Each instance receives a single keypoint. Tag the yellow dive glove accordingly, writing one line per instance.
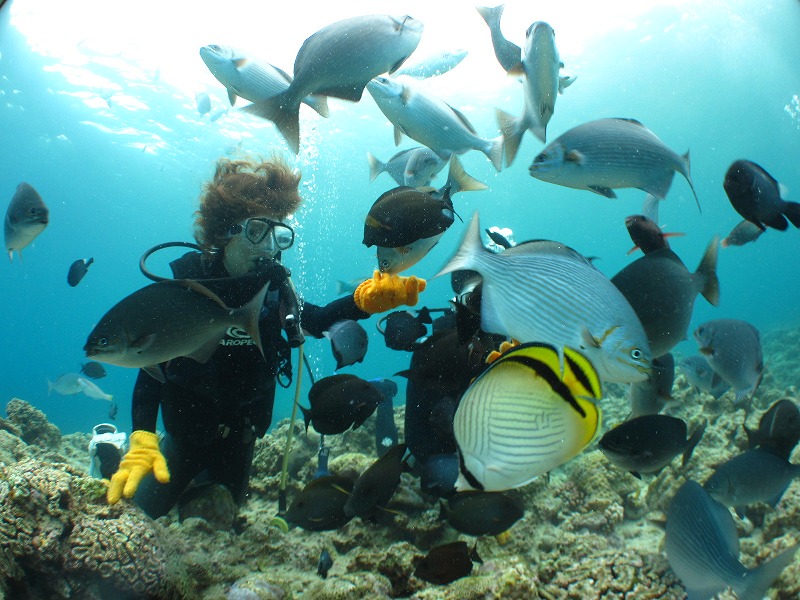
(143, 457)
(385, 292)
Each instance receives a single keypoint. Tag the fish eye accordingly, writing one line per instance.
(102, 342)
(384, 264)
(540, 158)
(636, 354)
(214, 47)
(33, 211)
(701, 330)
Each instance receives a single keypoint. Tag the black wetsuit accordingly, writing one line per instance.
(213, 412)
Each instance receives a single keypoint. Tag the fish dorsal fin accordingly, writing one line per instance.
(199, 288)
(283, 74)
(546, 247)
(629, 120)
(463, 120)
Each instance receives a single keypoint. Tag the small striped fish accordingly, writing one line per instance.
(523, 417)
(544, 291)
(609, 154)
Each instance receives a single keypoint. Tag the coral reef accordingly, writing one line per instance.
(589, 531)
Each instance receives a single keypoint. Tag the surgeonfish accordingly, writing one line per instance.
(26, 217)
(166, 320)
(662, 292)
(340, 402)
(319, 506)
(324, 564)
(648, 443)
(703, 549)
(701, 376)
(778, 429)
(78, 270)
(609, 154)
(733, 349)
(403, 328)
(541, 85)
(758, 197)
(651, 396)
(525, 416)
(446, 563)
(507, 53)
(92, 369)
(349, 342)
(757, 475)
(376, 486)
(339, 60)
(254, 80)
(414, 167)
(545, 291)
(430, 121)
(404, 215)
(433, 65)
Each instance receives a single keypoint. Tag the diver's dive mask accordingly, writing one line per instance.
(256, 229)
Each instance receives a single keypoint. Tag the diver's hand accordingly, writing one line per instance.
(384, 292)
(143, 457)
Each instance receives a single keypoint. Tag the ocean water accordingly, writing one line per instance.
(97, 112)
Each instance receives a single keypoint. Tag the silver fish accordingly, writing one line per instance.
(733, 349)
(507, 53)
(700, 375)
(26, 218)
(430, 121)
(609, 154)
(165, 320)
(703, 549)
(339, 60)
(662, 291)
(414, 167)
(349, 342)
(541, 84)
(744, 233)
(246, 77)
(756, 475)
(544, 291)
(92, 390)
(434, 65)
(203, 102)
(651, 396)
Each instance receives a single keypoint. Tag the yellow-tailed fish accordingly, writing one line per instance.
(525, 416)
(544, 291)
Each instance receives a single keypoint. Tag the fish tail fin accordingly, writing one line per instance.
(512, 134)
(693, 441)
(755, 582)
(540, 131)
(319, 104)
(49, 387)
(792, 212)
(491, 15)
(458, 180)
(376, 167)
(468, 252)
(306, 415)
(494, 151)
(247, 316)
(284, 113)
(687, 173)
(707, 272)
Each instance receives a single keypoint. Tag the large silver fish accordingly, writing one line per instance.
(733, 349)
(246, 77)
(414, 167)
(26, 218)
(544, 291)
(541, 84)
(339, 60)
(703, 549)
(507, 53)
(430, 121)
(662, 291)
(609, 154)
(165, 320)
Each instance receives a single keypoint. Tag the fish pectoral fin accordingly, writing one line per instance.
(143, 343)
(351, 92)
(398, 135)
(204, 352)
(240, 62)
(232, 96)
(603, 191)
(155, 372)
(575, 156)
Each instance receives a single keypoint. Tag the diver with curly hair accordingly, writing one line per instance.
(213, 412)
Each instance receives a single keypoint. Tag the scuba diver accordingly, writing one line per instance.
(213, 412)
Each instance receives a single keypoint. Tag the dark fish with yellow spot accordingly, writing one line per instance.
(26, 217)
(648, 443)
(78, 270)
(524, 416)
(402, 328)
(320, 505)
(446, 563)
(376, 486)
(340, 402)
(92, 369)
(404, 215)
(758, 197)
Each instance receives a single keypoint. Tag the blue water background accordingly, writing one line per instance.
(719, 78)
